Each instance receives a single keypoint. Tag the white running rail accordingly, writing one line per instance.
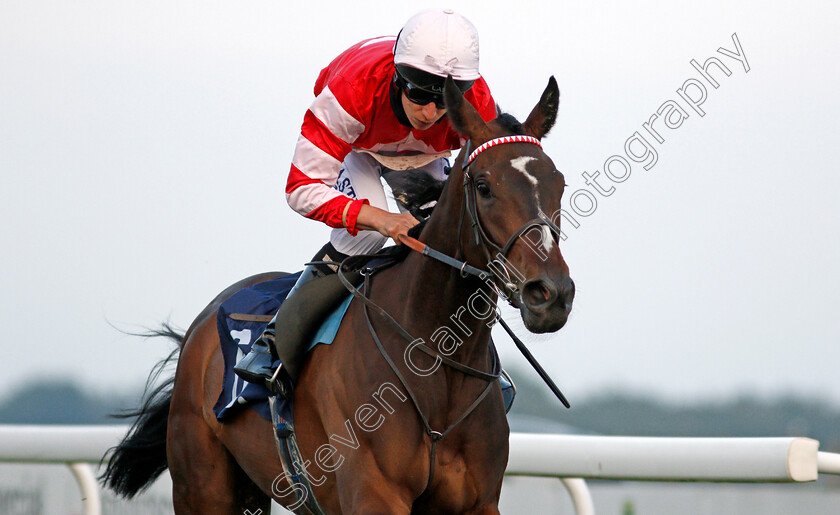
(568, 457)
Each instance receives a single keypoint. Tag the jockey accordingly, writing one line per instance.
(378, 110)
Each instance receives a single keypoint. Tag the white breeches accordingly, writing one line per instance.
(360, 178)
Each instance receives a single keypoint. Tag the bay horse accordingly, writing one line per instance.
(412, 437)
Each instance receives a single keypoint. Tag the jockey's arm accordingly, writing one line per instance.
(385, 223)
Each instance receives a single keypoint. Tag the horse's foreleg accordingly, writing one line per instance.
(376, 500)
(372, 493)
(492, 508)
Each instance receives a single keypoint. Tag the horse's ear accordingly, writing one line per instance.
(463, 116)
(542, 118)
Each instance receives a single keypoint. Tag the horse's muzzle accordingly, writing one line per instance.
(545, 304)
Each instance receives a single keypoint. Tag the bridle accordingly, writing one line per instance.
(470, 206)
(482, 240)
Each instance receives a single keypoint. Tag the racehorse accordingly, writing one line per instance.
(384, 428)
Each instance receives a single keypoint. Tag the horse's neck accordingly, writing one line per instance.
(444, 304)
(431, 300)
(436, 303)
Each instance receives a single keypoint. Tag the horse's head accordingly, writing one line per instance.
(512, 191)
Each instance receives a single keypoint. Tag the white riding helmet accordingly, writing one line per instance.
(440, 42)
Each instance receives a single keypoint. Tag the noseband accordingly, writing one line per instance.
(470, 206)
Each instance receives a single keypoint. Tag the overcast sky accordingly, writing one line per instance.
(144, 148)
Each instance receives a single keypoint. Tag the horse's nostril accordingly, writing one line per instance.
(538, 292)
(545, 293)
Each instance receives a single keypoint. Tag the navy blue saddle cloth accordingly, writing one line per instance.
(237, 336)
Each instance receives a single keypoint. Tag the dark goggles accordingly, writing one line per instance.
(420, 96)
(423, 88)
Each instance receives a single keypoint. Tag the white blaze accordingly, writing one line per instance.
(548, 239)
(519, 164)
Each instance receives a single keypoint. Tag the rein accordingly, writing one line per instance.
(482, 240)
(471, 207)
(434, 435)
(466, 269)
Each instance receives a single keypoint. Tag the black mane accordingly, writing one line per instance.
(416, 191)
(509, 122)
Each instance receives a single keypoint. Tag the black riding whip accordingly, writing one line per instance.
(534, 363)
(466, 269)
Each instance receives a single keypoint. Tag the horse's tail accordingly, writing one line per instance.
(140, 457)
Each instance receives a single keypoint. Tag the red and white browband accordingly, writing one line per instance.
(499, 141)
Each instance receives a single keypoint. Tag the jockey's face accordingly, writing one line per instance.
(421, 117)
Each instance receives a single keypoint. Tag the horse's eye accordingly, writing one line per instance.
(483, 189)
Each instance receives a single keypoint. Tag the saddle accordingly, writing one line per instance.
(315, 309)
(302, 314)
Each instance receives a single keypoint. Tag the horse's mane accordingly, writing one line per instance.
(415, 191)
(509, 122)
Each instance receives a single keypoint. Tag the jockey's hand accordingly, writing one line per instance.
(388, 224)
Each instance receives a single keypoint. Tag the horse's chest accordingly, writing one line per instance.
(467, 477)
